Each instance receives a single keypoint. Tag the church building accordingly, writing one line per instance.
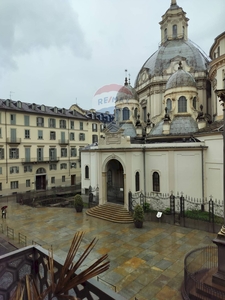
(167, 131)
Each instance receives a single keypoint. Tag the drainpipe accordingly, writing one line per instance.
(203, 178)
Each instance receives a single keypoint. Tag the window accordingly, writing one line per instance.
(40, 122)
(40, 134)
(135, 113)
(27, 134)
(218, 51)
(183, 31)
(0, 170)
(73, 152)
(137, 181)
(27, 168)
(194, 102)
(62, 123)
(14, 185)
(43, 107)
(165, 34)
(28, 183)
(94, 127)
(14, 170)
(27, 120)
(63, 152)
(155, 182)
(52, 154)
(63, 137)
(63, 178)
(52, 179)
(0, 132)
(73, 165)
(0, 186)
(174, 31)
(27, 154)
(52, 167)
(40, 154)
(81, 126)
(72, 136)
(86, 172)
(51, 123)
(63, 166)
(144, 111)
(52, 135)
(169, 104)
(13, 119)
(13, 153)
(126, 113)
(81, 137)
(2, 153)
(94, 138)
(101, 127)
(182, 104)
(71, 124)
(13, 134)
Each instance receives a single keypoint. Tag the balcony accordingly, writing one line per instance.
(11, 140)
(63, 142)
(33, 260)
(39, 160)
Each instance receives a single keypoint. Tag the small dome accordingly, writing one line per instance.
(127, 92)
(179, 79)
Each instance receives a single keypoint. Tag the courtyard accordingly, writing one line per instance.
(145, 263)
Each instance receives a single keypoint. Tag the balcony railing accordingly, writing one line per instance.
(63, 142)
(11, 140)
(36, 160)
(33, 260)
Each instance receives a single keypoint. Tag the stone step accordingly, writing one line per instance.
(111, 212)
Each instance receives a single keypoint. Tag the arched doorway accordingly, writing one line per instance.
(115, 181)
(41, 179)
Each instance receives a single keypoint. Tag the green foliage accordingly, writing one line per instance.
(138, 214)
(202, 215)
(78, 202)
(146, 207)
(167, 211)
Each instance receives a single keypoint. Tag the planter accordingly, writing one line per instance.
(79, 208)
(138, 224)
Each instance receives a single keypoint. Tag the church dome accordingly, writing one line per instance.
(179, 79)
(159, 61)
(127, 92)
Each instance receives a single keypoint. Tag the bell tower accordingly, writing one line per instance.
(174, 24)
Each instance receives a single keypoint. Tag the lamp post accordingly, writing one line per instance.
(219, 277)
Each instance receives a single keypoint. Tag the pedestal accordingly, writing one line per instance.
(219, 277)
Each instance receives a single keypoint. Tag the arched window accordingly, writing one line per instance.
(126, 114)
(137, 181)
(194, 102)
(155, 182)
(182, 104)
(174, 31)
(135, 112)
(169, 104)
(117, 114)
(183, 31)
(86, 172)
(165, 34)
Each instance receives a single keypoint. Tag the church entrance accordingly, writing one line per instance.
(115, 182)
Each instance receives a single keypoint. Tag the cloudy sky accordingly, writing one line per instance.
(60, 52)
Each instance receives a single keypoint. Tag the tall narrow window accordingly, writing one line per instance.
(165, 34)
(174, 31)
(144, 111)
(194, 102)
(155, 182)
(126, 114)
(27, 120)
(182, 104)
(137, 181)
(169, 104)
(86, 172)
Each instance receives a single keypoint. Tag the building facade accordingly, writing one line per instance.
(167, 134)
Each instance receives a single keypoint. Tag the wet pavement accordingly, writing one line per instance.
(145, 263)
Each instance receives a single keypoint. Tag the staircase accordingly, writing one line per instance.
(111, 212)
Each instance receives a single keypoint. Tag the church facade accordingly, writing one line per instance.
(167, 133)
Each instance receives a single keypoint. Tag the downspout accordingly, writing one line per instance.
(203, 178)
(6, 150)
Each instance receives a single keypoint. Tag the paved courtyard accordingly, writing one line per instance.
(145, 263)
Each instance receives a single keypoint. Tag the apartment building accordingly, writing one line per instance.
(39, 145)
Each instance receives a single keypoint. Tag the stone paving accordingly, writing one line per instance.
(145, 263)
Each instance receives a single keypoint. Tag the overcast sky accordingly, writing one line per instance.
(60, 52)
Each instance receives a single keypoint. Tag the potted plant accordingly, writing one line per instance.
(138, 216)
(78, 203)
